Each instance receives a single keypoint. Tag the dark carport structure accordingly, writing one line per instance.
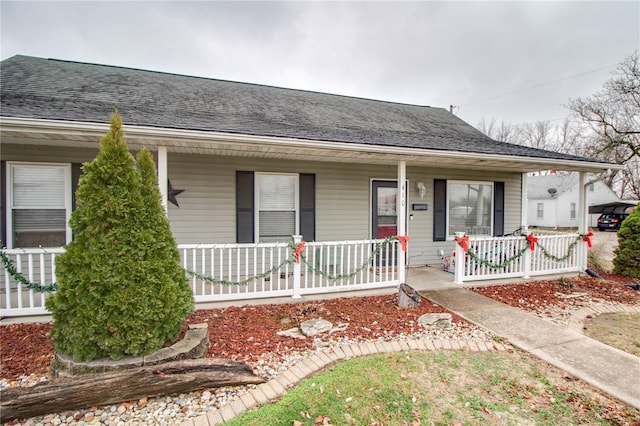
(616, 207)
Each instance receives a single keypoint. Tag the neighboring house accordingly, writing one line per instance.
(553, 200)
(258, 163)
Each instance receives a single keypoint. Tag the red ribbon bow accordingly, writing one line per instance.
(298, 251)
(404, 239)
(464, 242)
(587, 239)
(532, 242)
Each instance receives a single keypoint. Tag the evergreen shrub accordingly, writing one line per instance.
(121, 289)
(627, 256)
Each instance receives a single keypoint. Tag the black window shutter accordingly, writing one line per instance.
(439, 210)
(244, 207)
(498, 208)
(3, 203)
(308, 206)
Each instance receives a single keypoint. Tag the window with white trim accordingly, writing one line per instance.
(39, 205)
(572, 211)
(540, 211)
(277, 206)
(470, 207)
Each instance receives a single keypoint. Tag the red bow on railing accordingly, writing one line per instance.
(587, 239)
(298, 251)
(532, 242)
(464, 242)
(404, 239)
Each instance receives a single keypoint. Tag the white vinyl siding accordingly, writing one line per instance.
(39, 205)
(276, 206)
(343, 204)
(470, 207)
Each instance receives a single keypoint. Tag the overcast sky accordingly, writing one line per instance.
(467, 54)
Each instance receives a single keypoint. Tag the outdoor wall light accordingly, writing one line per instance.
(422, 190)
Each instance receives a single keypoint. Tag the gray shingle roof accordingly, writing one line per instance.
(72, 91)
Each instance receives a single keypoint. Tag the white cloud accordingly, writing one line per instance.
(428, 53)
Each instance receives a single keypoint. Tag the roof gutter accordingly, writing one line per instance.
(98, 129)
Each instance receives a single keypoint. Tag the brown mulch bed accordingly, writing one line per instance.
(535, 295)
(247, 332)
(242, 333)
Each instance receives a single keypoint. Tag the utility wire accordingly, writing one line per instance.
(535, 87)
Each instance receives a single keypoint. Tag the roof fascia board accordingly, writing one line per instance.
(98, 129)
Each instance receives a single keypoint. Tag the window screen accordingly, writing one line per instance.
(277, 211)
(39, 216)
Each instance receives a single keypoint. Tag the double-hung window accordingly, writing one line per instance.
(470, 207)
(39, 205)
(277, 206)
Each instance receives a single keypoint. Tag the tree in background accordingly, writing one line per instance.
(613, 114)
(606, 126)
(120, 291)
(627, 260)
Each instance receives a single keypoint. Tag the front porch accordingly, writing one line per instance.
(284, 272)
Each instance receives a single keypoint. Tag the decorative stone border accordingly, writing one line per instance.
(194, 345)
(278, 386)
(577, 319)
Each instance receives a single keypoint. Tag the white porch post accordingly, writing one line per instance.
(583, 222)
(401, 209)
(163, 178)
(297, 239)
(459, 259)
(524, 204)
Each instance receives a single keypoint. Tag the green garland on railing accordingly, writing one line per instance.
(490, 264)
(13, 272)
(356, 271)
(246, 281)
(570, 249)
(545, 252)
(291, 261)
(295, 254)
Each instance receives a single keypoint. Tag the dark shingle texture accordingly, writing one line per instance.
(71, 91)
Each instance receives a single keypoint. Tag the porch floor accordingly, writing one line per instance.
(421, 278)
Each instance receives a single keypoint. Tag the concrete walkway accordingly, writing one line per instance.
(611, 370)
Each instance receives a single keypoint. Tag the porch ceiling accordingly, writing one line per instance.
(87, 135)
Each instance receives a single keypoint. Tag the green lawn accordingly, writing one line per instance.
(442, 388)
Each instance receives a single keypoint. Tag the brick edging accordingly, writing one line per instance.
(276, 387)
(577, 319)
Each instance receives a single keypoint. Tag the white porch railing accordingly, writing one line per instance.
(248, 271)
(511, 257)
(36, 266)
(224, 272)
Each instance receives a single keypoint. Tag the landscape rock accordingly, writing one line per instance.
(292, 332)
(315, 326)
(441, 320)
